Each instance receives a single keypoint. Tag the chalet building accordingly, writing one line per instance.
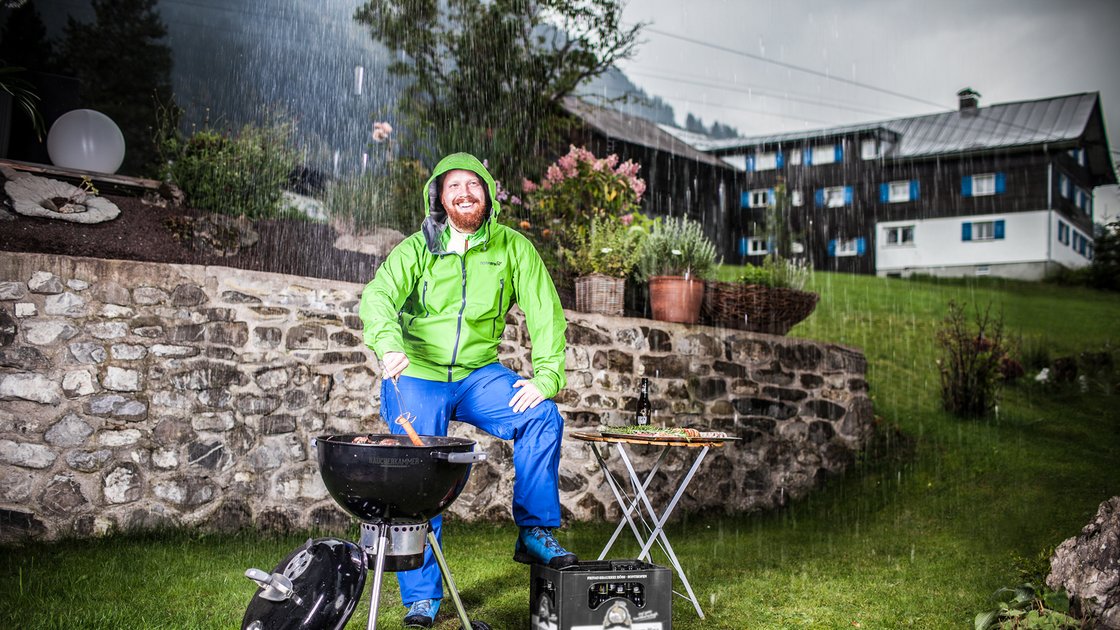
(680, 180)
(1003, 190)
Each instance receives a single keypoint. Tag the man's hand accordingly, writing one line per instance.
(527, 397)
(393, 364)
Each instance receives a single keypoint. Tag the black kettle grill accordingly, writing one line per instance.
(394, 488)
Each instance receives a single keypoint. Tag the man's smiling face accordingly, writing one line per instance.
(464, 199)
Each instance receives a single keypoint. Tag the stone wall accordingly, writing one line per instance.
(138, 395)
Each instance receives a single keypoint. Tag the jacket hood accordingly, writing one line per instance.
(436, 217)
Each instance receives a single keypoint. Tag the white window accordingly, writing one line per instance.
(824, 154)
(983, 185)
(1063, 185)
(899, 235)
(834, 196)
(869, 149)
(794, 157)
(1078, 156)
(847, 247)
(760, 198)
(766, 161)
(795, 198)
(899, 191)
(757, 247)
(983, 230)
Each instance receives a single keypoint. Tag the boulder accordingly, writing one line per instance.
(1087, 566)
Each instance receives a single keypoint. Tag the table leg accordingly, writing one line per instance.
(659, 522)
(628, 504)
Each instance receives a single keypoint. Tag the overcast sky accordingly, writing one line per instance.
(701, 56)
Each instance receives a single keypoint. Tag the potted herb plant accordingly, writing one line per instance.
(676, 258)
(604, 255)
(768, 298)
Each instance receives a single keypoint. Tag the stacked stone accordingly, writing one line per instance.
(138, 395)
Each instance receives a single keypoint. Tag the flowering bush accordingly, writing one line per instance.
(579, 187)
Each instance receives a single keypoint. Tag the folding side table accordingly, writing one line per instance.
(654, 528)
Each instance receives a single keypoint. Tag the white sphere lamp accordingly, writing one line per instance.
(87, 140)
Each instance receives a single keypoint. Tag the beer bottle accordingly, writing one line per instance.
(645, 410)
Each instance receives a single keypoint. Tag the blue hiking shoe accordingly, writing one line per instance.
(422, 613)
(538, 545)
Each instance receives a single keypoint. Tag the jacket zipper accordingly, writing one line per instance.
(501, 295)
(424, 299)
(459, 323)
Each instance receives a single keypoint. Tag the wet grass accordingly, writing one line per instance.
(918, 534)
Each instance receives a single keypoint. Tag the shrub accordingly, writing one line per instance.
(611, 247)
(970, 363)
(1027, 607)
(777, 272)
(373, 200)
(235, 174)
(677, 247)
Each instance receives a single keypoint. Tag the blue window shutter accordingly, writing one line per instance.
(750, 163)
(1000, 228)
(966, 186)
(966, 231)
(781, 160)
(832, 247)
(819, 197)
(884, 192)
(1001, 183)
(861, 246)
(770, 200)
(742, 246)
(839, 152)
(914, 190)
(847, 195)
(745, 199)
(808, 156)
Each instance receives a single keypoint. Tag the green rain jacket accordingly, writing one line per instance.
(447, 311)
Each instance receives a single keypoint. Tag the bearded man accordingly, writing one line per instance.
(434, 314)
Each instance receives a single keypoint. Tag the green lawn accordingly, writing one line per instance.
(918, 534)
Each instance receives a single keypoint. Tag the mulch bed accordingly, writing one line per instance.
(140, 233)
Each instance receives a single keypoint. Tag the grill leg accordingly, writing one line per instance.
(378, 569)
(438, 553)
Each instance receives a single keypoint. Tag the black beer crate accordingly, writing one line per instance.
(601, 595)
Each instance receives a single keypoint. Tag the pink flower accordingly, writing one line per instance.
(515, 200)
(627, 219)
(381, 131)
(528, 186)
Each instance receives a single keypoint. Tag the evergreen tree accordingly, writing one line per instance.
(694, 124)
(1104, 273)
(488, 76)
(23, 40)
(124, 66)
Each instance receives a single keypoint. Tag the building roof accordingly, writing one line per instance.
(1060, 120)
(615, 124)
(997, 126)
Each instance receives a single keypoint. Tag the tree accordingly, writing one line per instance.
(1104, 273)
(488, 76)
(125, 72)
(23, 40)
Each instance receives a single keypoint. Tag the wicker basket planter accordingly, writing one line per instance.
(597, 293)
(757, 308)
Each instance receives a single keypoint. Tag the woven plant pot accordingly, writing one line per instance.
(676, 298)
(597, 293)
(757, 308)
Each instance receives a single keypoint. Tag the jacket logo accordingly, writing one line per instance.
(496, 263)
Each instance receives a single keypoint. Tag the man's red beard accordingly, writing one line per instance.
(468, 222)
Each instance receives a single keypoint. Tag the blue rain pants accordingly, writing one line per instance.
(482, 400)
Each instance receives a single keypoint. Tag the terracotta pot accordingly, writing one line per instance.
(676, 298)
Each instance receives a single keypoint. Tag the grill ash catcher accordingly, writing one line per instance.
(393, 487)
